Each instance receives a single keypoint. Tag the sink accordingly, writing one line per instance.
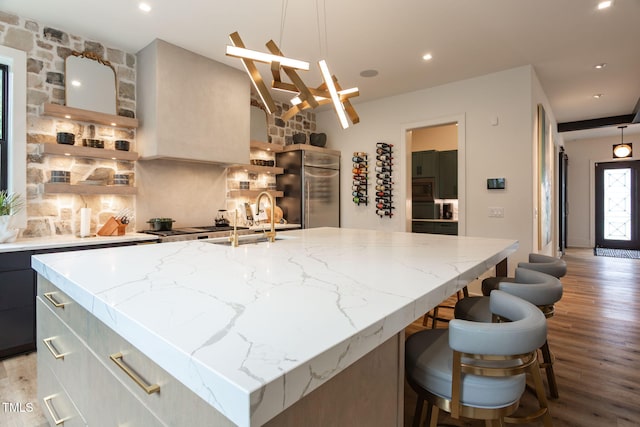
(245, 239)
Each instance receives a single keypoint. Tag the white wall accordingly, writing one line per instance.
(583, 154)
(502, 150)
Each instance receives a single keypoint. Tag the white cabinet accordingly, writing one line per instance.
(191, 107)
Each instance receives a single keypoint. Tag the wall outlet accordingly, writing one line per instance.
(496, 212)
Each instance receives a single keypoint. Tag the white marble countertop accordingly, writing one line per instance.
(70, 241)
(253, 329)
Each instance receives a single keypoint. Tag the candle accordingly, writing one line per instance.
(85, 222)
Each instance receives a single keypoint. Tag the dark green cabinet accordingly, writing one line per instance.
(435, 227)
(448, 174)
(424, 164)
(442, 165)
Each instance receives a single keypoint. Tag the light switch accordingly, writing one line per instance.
(496, 212)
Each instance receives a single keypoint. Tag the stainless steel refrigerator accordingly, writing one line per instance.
(311, 186)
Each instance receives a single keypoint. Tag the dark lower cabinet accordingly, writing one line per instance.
(435, 227)
(18, 298)
(17, 304)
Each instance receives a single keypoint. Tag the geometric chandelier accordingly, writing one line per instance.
(304, 97)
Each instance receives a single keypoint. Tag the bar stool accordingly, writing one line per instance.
(552, 266)
(434, 313)
(540, 289)
(477, 370)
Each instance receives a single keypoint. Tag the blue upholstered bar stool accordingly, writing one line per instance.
(540, 289)
(477, 370)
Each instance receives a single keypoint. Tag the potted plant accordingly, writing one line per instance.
(10, 204)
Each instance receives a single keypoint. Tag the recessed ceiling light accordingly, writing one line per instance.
(427, 57)
(600, 66)
(76, 83)
(145, 7)
(369, 73)
(605, 4)
(598, 95)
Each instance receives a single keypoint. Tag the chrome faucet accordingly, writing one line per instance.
(271, 234)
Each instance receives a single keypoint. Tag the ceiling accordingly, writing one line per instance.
(563, 40)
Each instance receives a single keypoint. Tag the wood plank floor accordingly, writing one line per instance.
(595, 336)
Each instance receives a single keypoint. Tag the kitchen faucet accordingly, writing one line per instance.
(271, 234)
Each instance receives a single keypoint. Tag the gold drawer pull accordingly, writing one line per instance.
(56, 304)
(117, 359)
(52, 349)
(52, 411)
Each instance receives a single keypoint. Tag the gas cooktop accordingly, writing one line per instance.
(193, 233)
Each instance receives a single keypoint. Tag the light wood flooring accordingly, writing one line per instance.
(595, 337)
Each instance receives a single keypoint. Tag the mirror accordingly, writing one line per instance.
(259, 124)
(90, 83)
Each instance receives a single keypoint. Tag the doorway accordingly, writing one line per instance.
(617, 204)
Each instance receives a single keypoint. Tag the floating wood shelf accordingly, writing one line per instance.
(308, 147)
(266, 146)
(253, 193)
(88, 189)
(86, 152)
(70, 113)
(257, 169)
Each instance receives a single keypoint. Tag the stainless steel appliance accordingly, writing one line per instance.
(194, 233)
(311, 185)
(423, 189)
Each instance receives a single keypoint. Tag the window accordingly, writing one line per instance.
(4, 114)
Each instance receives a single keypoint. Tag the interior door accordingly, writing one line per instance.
(617, 206)
(563, 163)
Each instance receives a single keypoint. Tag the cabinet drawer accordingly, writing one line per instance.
(450, 228)
(175, 404)
(64, 307)
(55, 402)
(112, 403)
(422, 227)
(64, 353)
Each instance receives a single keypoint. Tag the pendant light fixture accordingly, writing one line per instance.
(303, 96)
(623, 149)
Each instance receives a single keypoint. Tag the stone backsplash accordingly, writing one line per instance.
(47, 48)
(281, 131)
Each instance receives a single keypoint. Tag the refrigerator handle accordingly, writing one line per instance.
(306, 203)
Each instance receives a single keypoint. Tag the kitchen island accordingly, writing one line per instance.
(261, 333)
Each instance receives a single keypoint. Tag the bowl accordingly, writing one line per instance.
(95, 143)
(318, 139)
(65, 138)
(122, 145)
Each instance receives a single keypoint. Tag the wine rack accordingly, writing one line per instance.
(360, 178)
(384, 180)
